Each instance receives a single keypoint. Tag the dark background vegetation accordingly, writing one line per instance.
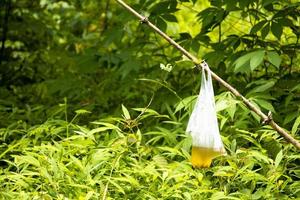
(77, 76)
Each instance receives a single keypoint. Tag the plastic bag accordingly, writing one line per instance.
(203, 125)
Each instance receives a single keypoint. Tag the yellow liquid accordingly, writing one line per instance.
(202, 157)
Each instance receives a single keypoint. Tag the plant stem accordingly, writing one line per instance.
(197, 62)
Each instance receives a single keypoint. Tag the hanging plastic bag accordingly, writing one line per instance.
(203, 125)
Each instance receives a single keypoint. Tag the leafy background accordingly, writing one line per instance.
(94, 104)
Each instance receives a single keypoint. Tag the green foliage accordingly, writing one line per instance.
(94, 104)
(107, 159)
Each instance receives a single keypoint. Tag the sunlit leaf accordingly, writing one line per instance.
(256, 59)
(274, 58)
(125, 112)
(278, 158)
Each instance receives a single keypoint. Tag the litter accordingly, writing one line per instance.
(203, 125)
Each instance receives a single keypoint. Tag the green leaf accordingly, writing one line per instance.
(231, 110)
(296, 88)
(221, 195)
(125, 112)
(243, 68)
(98, 130)
(265, 31)
(128, 67)
(241, 61)
(119, 188)
(169, 18)
(268, 2)
(160, 22)
(265, 104)
(296, 125)
(107, 125)
(278, 158)
(19, 160)
(222, 104)
(262, 88)
(276, 29)
(225, 171)
(259, 156)
(289, 117)
(285, 22)
(258, 26)
(274, 58)
(82, 111)
(185, 103)
(256, 59)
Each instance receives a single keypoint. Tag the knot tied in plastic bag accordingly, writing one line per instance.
(203, 125)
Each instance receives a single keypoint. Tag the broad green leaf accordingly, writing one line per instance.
(258, 26)
(265, 104)
(274, 58)
(285, 21)
(256, 59)
(241, 61)
(276, 29)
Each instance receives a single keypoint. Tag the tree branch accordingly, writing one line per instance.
(197, 62)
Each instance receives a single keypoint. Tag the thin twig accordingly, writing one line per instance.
(197, 62)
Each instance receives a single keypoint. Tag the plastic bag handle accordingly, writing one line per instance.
(207, 82)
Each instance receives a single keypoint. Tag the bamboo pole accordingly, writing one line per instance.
(197, 62)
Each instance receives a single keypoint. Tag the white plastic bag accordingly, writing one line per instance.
(203, 125)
